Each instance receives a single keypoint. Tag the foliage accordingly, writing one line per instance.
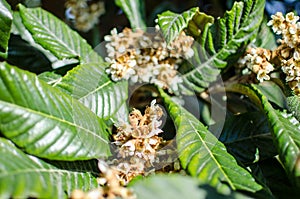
(61, 113)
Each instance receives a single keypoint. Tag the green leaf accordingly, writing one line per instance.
(176, 187)
(90, 84)
(46, 122)
(172, 23)
(247, 136)
(203, 156)
(24, 176)
(55, 36)
(221, 42)
(265, 37)
(286, 136)
(273, 92)
(276, 178)
(294, 106)
(50, 78)
(285, 130)
(135, 12)
(5, 24)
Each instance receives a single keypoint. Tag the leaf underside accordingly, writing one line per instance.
(45, 121)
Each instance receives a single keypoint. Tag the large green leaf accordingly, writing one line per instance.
(5, 24)
(248, 137)
(172, 23)
(176, 187)
(24, 176)
(285, 130)
(204, 156)
(45, 121)
(90, 84)
(219, 43)
(55, 36)
(135, 12)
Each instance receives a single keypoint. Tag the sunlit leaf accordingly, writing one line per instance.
(203, 156)
(55, 36)
(24, 176)
(46, 122)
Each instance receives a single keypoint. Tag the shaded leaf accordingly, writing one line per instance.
(274, 93)
(265, 37)
(276, 178)
(27, 57)
(55, 36)
(5, 24)
(203, 156)
(24, 176)
(285, 130)
(90, 84)
(248, 137)
(222, 41)
(45, 121)
(176, 187)
(134, 10)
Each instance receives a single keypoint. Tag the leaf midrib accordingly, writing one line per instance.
(39, 170)
(53, 118)
(211, 154)
(48, 31)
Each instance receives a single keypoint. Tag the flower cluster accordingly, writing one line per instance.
(144, 57)
(288, 52)
(286, 55)
(138, 142)
(110, 187)
(84, 14)
(258, 61)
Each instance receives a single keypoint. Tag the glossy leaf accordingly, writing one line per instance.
(135, 12)
(24, 176)
(46, 122)
(90, 84)
(203, 156)
(286, 136)
(222, 41)
(248, 137)
(176, 187)
(285, 130)
(55, 36)
(50, 78)
(5, 24)
(172, 23)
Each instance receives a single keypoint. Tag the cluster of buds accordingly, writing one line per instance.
(258, 61)
(286, 56)
(84, 14)
(110, 187)
(138, 142)
(288, 52)
(144, 57)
